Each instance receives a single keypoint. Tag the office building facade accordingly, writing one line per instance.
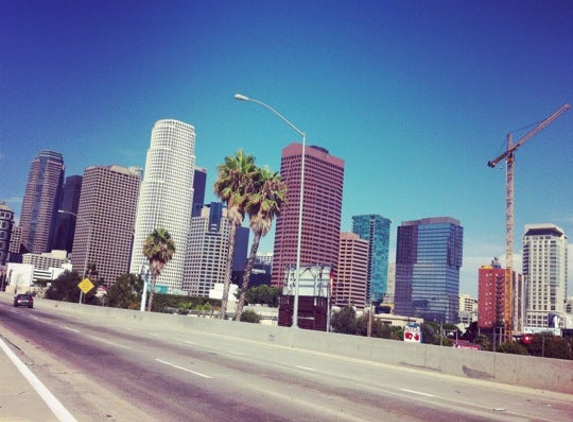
(166, 197)
(6, 227)
(63, 238)
(199, 184)
(41, 200)
(321, 213)
(207, 250)
(545, 271)
(428, 261)
(349, 287)
(105, 220)
(376, 230)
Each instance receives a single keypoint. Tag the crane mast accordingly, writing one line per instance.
(510, 311)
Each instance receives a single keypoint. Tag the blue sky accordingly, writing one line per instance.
(415, 96)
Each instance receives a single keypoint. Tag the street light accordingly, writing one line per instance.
(83, 220)
(241, 97)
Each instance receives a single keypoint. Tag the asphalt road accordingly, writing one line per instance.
(109, 370)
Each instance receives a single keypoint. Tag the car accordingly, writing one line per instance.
(25, 299)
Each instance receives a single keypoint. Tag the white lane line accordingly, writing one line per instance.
(53, 403)
(111, 343)
(305, 368)
(237, 353)
(416, 392)
(189, 342)
(71, 329)
(184, 369)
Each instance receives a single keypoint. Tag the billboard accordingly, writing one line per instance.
(412, 333)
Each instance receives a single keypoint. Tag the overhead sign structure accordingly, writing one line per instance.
(85, 285)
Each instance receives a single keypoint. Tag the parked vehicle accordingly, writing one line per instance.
(25, 299)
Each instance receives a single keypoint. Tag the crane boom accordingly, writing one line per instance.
(510, 311)
(529, 135)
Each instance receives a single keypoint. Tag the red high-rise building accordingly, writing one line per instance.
(322, 209)
(491, 296)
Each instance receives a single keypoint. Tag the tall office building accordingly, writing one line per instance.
(41, 200)
(491, 296)
(545, 271)
(350, 284)
(428, 260)
(376, 230)
(63, 238)
(105, 221)
(321, 213)
(207, 251)
(199, 184)
(166, 197)
(6, 226)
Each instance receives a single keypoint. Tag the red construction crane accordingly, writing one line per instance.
(508, 155)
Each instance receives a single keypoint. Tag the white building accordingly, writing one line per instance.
(545, 272)
(166, 196)
(207, 251)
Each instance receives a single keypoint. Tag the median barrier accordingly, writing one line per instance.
(524, 371)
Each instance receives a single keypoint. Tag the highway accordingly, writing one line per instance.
(123, 371)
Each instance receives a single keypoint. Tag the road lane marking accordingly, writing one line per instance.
(111, 343)
(305, 368)
(189, 342)
(71, 329)
(53, 403)
(237, 353)
(184, 369)
(416, 392)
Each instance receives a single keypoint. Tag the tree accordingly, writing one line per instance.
(159, 249)
(232, 180)
(125, 292)
(266, 197)
(65, 287)
(264, 295)
(344, 321)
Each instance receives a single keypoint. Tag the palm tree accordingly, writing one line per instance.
(266, 197)
(231, 186)
(158, 248)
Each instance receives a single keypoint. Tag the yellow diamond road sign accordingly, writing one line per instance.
(86, 285)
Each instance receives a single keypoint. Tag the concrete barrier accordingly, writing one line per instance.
(525, 371)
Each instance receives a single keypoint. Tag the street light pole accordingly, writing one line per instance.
(241, 97)
(86, 222)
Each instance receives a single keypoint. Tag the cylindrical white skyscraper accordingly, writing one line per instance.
(166, 196)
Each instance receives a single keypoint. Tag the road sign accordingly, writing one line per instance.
(86, 285)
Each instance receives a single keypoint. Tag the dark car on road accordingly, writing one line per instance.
(24, 300)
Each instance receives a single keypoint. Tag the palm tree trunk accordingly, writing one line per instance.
(151, 290)
(227, 281)
(247, 275)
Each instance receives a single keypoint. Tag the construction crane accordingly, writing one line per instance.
(509, 157)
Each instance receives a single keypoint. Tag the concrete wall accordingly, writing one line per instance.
(525, 371)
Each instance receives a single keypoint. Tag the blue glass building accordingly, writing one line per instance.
(376, 230)
(428, 260)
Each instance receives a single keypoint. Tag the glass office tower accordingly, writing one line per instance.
(428, 260)
(376, 230)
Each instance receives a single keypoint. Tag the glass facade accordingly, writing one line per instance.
(376, 230)
(428, 260)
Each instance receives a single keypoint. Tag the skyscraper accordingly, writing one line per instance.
(166, 196)
(428, 260)
(199, 183)
(41, 200)
(491, 296)
(352, 274)
(6, 225)
(63, 238)
(207, 250)
(105, 220)
(545, 272)
(376, 230)
(322, 209)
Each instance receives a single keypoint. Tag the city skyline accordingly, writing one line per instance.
(416, 98)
